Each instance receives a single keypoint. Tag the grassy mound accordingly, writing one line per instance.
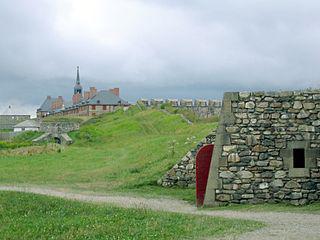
(28, 216)
(117, 152)
(22, 140)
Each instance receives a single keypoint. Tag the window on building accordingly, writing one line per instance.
(93, 107)
(298, 158)
(104, 107)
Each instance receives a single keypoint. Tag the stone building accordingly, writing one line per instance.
(267, 149)
(87, 103)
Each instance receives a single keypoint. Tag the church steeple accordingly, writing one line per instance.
(78, 76)
(78, 87)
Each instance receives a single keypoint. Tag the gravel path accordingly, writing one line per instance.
(284, 226)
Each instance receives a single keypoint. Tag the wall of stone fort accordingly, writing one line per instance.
(201, 107)
(183, 174)
(59, 127)
(267, 149)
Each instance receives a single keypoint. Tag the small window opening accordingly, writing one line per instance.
(298, 158)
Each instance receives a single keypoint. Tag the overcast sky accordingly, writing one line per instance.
(156, 48)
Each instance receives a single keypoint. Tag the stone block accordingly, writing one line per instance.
(297, 105)
(259, 148)
(223, 197)
(277, 183)
(280, 174)
(233, 158)
(275, 163)
(247, 196)
(227, 174)
(296, 195)
(244, 174)
(279, 195)
(309, 105)
(250, 105)
(264, 185)
(292, 185)
(303, 114)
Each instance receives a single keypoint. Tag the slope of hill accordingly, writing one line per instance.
(117, 152)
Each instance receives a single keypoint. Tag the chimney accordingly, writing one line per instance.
(86, 95)
(93, 91)
(115, 91)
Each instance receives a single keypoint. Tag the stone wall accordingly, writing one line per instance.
(256, 144)
(201, 107)
(7, 136)
(183, 174)
(59, 127)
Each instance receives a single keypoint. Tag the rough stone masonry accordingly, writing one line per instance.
(266, 149)
(183, 174)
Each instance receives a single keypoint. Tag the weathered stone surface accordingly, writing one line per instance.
(251, 140)
(183, 173)
(263, 185)
(233, 157)
(229, 148)
(189, 166)
(316, 123)
(306, 128)
(250, 105)
(245, 174)
(309, 105)
(275, 163)
(292, 185)
(296, 195)
(259, 148)
(297, 105)
(247, 196)
(223, 197)
(277, 183)
(262, 104)
(244, 95)
(279, 195)
(260, 134)
(226, 174)
(232, 129)
(303, 114)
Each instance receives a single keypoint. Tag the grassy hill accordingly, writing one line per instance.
(117, 152)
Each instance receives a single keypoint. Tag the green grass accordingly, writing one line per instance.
(29, 216)
(22, 140)
(271, 207)
(72, 119)
(117, 152)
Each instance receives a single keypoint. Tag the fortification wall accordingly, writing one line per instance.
(267, 149)
(59, 127)
(201, 107)
(183, 174)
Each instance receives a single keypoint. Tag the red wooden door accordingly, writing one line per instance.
(203, 160)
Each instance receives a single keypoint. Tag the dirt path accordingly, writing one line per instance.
(286, 226)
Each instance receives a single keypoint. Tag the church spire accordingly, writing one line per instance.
(78, 76)
(77, 87)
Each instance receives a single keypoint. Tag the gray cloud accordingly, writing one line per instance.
(156, 48)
